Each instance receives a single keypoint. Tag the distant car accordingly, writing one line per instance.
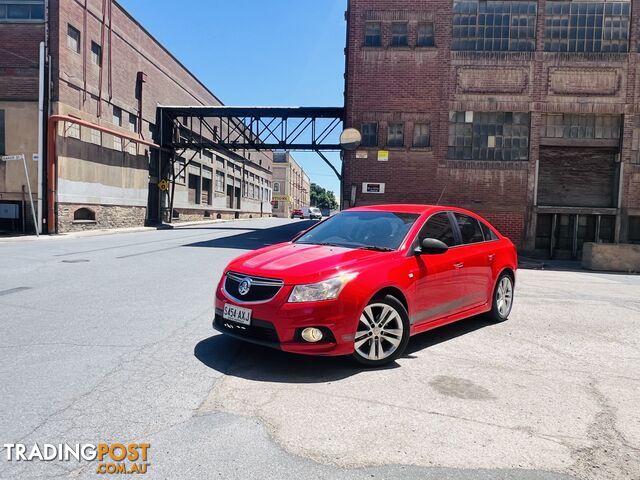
(365, 280)
(312, 213)
(297, 213)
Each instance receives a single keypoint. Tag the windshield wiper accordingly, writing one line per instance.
(324, 244)
(376, 248)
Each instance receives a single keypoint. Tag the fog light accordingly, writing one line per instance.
(312, 335)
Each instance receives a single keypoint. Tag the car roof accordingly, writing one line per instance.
(400, 208)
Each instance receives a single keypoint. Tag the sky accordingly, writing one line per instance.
(258, 52)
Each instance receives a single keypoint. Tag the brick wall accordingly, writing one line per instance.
(414, 84)
(19, 59)
(83, 89)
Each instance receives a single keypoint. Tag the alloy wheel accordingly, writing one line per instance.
(504, 296)
(379, 332)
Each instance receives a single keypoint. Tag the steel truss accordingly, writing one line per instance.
(230, 129)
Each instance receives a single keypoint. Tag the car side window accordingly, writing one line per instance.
(469, 229)
(440, 228)
(488, 233)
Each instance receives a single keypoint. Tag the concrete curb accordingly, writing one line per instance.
(115, 231)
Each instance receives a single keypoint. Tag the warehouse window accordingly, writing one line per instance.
(96, 136)
(489, 26)
(21, 10)
(276, 186)
(370, 134)
(133, 123)
(96, 54)
(399, 34)
(2, 145)
(500, 136)
(72, 130)
(587, 27)
(571, 125)
(395, 135)
(421, 135)
(117, 116)
(425, 35)
(373, 34)
(634, 230)
(219, 182)
(73, 39)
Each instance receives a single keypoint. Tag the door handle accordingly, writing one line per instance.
(492, 257)
(458, 265)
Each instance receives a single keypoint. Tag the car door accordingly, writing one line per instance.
(438, 284)
(473, 260)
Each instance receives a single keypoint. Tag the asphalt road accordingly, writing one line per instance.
(109, 339)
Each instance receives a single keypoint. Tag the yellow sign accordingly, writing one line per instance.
(383, 156)
(163, 185)
(282, 198)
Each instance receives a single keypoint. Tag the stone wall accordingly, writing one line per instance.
(106, 217)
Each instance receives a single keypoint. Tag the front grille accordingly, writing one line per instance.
(258, 330)
(260, 289)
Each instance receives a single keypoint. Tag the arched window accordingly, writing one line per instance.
(84, 215)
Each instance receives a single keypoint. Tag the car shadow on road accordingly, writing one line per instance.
(445, 333)
(256, 238)
(235, 358)
(253, 362)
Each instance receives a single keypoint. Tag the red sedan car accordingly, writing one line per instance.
(363, 281)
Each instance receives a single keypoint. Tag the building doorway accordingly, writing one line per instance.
(562, 235)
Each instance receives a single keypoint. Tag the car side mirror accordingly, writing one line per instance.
(431, 246)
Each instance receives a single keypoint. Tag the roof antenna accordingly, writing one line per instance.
(441, 195)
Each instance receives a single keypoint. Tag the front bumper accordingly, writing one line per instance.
(278, 324)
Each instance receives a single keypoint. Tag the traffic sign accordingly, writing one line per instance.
(11, 158)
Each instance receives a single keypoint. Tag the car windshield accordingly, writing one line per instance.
(365, 229)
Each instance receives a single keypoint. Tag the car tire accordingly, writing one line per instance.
(374, 335)
(502, 300)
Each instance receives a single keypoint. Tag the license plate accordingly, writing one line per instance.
(237, 314)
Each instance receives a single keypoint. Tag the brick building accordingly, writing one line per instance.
(524, 111)
(291, 185)
(107, 70)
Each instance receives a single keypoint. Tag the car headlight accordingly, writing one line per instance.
(315, 292)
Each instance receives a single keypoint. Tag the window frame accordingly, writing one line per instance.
(476, 30)
(221, 184)
(446, 213)
(581, 28)
(415, 128)
(462, 242)
(398, 136)
(393, 40)
(451, 215)
(96, 53)
(367, 144)
(30, 4)
(471, 139)
(368, 42)
(71, 29)
(420, 44)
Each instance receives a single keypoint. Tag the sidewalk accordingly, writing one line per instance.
(113, 231)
